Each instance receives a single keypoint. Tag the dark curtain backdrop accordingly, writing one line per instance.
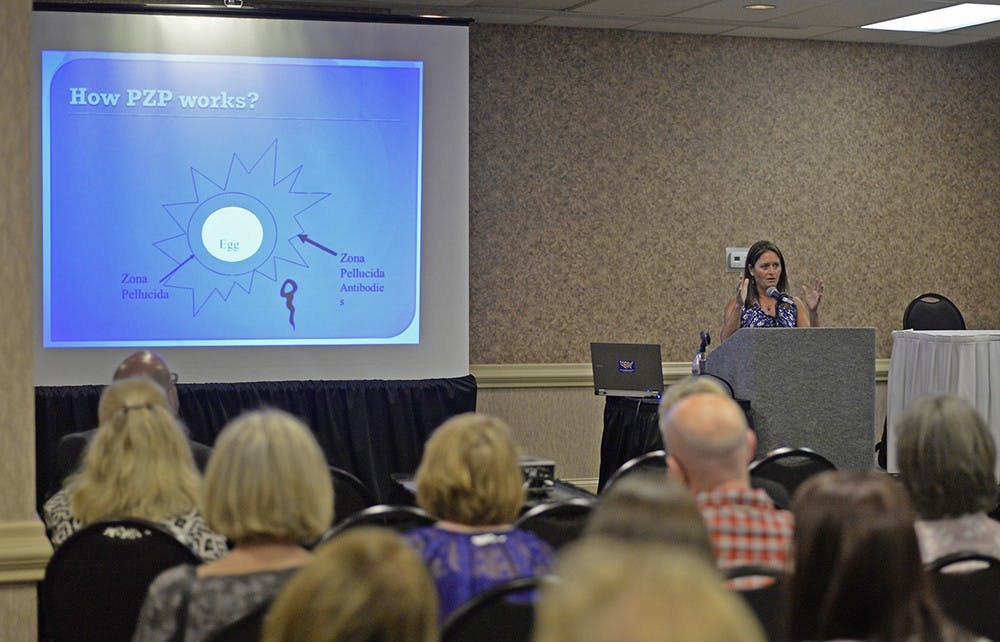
(370, 428)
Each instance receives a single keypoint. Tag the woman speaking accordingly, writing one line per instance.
(761, 299)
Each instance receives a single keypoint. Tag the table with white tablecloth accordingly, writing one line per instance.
(965, 363)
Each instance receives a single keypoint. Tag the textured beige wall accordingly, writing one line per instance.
(17, 402)
(561, 424)
(17, 474)
(610, 169)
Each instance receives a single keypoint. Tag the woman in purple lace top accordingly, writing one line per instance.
(753, 307)
(470, 481)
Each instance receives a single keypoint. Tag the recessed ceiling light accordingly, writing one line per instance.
(758, 6)
(958, 16)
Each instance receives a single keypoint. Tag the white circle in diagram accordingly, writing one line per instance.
(232, 234)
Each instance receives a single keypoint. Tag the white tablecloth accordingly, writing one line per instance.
(965, 363)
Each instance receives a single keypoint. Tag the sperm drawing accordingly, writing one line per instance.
(288, 289)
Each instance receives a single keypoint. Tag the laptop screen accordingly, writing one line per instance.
(627, 369)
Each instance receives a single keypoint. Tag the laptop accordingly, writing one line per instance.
(627, 369)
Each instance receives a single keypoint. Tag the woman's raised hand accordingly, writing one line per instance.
(813, 296)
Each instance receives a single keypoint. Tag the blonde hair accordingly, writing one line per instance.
(686, 387)
(628, 592)
(268, 479)
(469, 472)
(139, 463)
(364, 585)
(653, 508)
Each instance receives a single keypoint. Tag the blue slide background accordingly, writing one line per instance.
(330, 148)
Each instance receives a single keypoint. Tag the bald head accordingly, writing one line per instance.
(151, 365)
(686, 387)
(707, 436)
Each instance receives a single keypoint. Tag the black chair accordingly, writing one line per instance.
(558, 523)
(504, 613)
(96, 581)
(350, 495)
(245, 629)
(931, 311)
(969, 597)
(653, 460)
(790, 466)
(397, 518)
(762, 590)
(777, 493)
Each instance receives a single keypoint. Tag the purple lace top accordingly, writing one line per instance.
(755, 317)
(464, 565)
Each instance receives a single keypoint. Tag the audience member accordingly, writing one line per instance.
(469, 479)
(649, 507)
(858, 574)
(268, 489)
(709, 384)
(364, 585)
(947, 461)
(709, 447)
(69, 449)
(137, 465)
(612, 591)
(688, 386)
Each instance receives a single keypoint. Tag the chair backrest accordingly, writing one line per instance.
(96, 581)
(398, 518)
(558, 523)
(931, 311)
(762, 589)
(653, 460)
(245, 629)
(777, 493)
(790, 466)
(504, 613)
(350, 495)
(969, 597)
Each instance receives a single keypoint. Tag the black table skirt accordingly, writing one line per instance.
(371, 428)
(631, 428)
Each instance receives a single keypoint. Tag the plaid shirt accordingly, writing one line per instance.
(746, 529)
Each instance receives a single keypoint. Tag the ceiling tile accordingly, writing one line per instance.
(565, 19)
(497, 16)
(761, 31)
(943, 40)
(805, 19)
(732, 10)
(854, 13)
(678, 26)
(853, 34)
(542, 5)
(638, 7)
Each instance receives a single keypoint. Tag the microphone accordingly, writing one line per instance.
(698, 364)
(774, 293)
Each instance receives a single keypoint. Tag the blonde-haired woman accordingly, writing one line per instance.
(616, 591)
(267, 488)
(469, 479)
(365, 585)
(138, 465)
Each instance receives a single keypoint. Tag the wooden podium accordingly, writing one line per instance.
(812, 387)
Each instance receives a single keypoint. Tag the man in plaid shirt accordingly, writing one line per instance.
(709, 447)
